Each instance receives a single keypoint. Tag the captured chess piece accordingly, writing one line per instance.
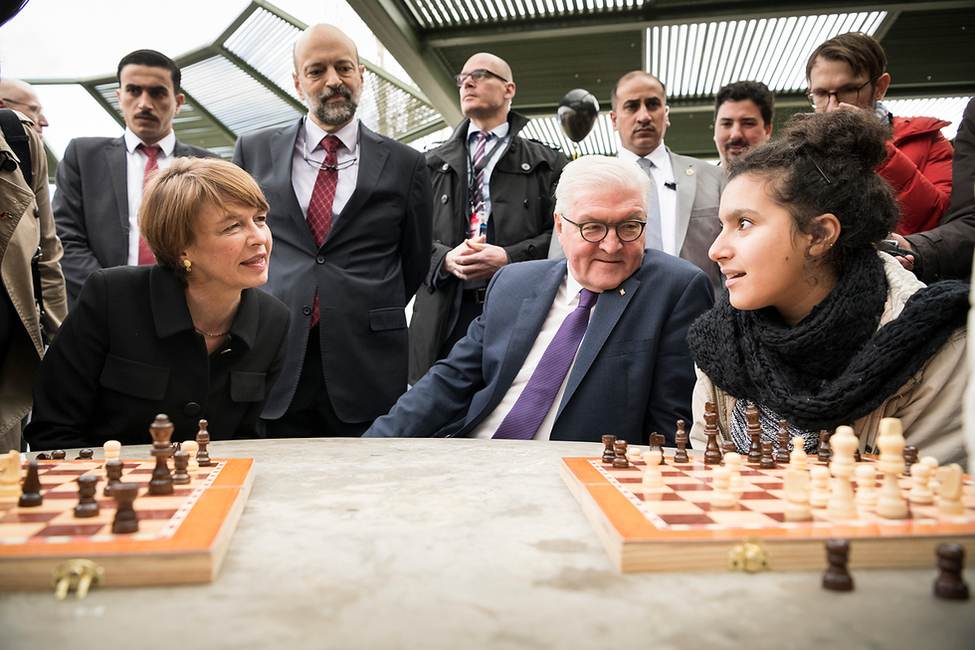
(203, 439)
(620, 461)
(754, 432)
(31, 495)
(87, 506)
(782, 441)
(837, 577)
(712, 455)
(126, 520)
(608, 452)
(680, 437)
(161, 431)
(949, 583)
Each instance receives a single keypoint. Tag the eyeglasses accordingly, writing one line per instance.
(596, 231)
(477, 76)
(34, 108)
(820, 98)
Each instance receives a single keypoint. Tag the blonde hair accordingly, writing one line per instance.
(175, 198)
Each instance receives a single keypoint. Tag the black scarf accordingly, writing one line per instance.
(835, 366)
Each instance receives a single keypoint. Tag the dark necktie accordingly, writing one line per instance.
(536, 399)
(477, 185)
(152, 153)
(322, 198)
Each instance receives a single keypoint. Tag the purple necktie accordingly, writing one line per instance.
(536, 400)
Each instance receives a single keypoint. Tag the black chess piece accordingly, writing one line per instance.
(837, 577)
(31, 489)
(87, 506)
(608, 453)
(680, 437)
(126, 520)
(782, 439)
(620, 460)
(181, 460)
(949, 584)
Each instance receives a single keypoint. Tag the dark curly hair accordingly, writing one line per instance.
(824, 163)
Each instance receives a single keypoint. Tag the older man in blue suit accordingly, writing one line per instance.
(522, 372)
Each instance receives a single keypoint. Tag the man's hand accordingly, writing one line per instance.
(908, 261)
(475, 260)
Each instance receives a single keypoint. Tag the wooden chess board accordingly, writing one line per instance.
(674, 528)
(182, 537)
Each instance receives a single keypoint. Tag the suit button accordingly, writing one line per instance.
(445, 167)
(37, 212)
(526, 203)
(320, 259)
(525, 166)
(306, 311)
(443, 199)
(192, 409)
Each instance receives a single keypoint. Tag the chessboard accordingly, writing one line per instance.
(182, 537)
(674, 528)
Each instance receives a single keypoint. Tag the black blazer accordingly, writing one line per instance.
(128, 350)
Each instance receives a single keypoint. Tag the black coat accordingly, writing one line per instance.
(128, 351)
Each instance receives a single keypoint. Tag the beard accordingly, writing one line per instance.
(335, 113)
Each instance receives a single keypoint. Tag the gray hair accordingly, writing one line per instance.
(599, 172)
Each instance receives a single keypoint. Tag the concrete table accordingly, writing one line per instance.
(458, 544)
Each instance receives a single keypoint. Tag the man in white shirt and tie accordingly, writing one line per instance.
(100, 180)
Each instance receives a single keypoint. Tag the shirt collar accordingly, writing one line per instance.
(572, 288)
(167, 144)
(500, 131)
(348, 135)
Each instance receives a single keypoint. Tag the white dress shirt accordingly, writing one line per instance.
(566, 301)
(307, 160)
(663, 172)
(135, 174)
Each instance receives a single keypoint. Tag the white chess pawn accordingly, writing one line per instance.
(921, 492)
(798, 459)
(819, 497)
(797, 494)
(891, 503)
(866, 486)
(949, 493)
(112, 449)
(723, 497)
(11, 472)
(732, 461)
(841, 503)
(932, 462)
(191, 447)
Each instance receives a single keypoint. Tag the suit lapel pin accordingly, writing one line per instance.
(5, 215)
(622, 292)
(689, 172)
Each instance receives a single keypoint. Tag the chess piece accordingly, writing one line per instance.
(608, 453)
(85, 454)
(732, 460)
(58, 454)
(113, 472)
(620, 461)
(681, 439)
(841, 503)
(866, 475)
(782, 442)
(10, 474)
(161, 431)
(949, 583)
(823, 452)
(126, 520)
(797, 494)
(949, 492)
(921, 492)
(754, 432)
(910, 457)
(798, 459)
(87, 506)
(891, 503)
(712, 456)
(181, 459)
(819, 497)
(837, 578)
(932, 462)
(203, 439)
(767, 461)
(727, 447)
(112, 449)
(42, 456)
(31, 495)
(657, 444)
(723, 497)
(190, 447)
(652, 477)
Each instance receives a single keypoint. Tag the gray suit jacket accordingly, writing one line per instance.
(372, 261)
(91, 206)
(699, 188)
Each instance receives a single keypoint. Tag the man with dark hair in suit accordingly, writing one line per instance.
(350, 213)
(572, 348)
(99, 181)
(743, 113)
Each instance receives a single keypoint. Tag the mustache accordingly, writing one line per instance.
(341, 89)
(146, 114)
(735, 143)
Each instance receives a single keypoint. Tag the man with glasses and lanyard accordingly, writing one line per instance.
(492, 205)
(572, 348)
(849, 72)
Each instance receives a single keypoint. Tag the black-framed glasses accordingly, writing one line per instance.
(477, 75)
(596, 231)
(820, 98)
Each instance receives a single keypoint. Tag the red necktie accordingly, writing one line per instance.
(152, 152)
(322, 197)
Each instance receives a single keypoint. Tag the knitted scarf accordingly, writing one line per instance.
(835, 366)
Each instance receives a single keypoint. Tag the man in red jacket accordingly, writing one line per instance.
(850, 72)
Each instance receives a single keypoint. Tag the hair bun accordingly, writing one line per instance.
(845, 133)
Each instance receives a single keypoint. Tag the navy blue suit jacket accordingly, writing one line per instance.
(633, 374)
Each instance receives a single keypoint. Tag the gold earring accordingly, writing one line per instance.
(188, 265)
